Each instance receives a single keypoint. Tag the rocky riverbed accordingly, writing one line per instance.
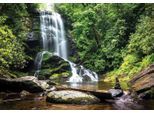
(29, 88)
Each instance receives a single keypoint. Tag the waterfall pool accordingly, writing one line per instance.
(37, 102)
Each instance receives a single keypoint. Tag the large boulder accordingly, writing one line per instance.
(143, 83)
(54, 67)
(71, 97)
(28, 83)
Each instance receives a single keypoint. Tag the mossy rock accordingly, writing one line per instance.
(60, 75)
(54, 67)
(55, 76)
(45, 72)
(46, 56)
(54, 61)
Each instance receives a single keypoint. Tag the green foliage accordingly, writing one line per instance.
(17, 19)
(139, 52)
(15, 23)
(100, 31)
(130, 61)
(4, 73)
(113, 38)
(142, 41)
(11, 52)
(146, 61)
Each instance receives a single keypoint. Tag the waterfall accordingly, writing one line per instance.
(52, 33)
(54, 41)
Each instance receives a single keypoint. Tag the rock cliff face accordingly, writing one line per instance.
(143, 83)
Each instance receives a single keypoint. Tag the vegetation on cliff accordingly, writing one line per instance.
(116, 39)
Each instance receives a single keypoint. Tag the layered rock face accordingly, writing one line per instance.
(143, 83)
(28, 83)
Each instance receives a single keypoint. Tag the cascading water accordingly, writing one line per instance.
(54, 41)
(38, 61)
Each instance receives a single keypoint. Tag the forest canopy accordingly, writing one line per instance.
(111, 37)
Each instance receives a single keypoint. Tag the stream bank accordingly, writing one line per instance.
(27, 100)
(35, 92)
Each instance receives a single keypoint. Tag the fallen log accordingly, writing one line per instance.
(102, 95)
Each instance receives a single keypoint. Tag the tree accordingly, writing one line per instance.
(11, 51)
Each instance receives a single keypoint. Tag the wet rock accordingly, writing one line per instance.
(7, 97)
(43, 84)
(126, 102)
(53, 88)
(24, 93)
(71, 97)
(143, 83)
(116, 92)
(147, 94)
(11, 96)
(28, 83)
(54, 67)
(51, 83)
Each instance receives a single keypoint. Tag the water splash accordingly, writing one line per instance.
(83, 73)
(75, 78)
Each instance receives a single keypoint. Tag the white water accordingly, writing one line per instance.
(54, 41)
(75, 78)
(83, 72)
(38, 61)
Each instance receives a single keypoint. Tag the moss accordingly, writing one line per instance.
(59, 75)
(46, 56)
(19, 74)
(60, 69)
(6, 73)
(66, 74)
(44, 73)
(55, 76)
